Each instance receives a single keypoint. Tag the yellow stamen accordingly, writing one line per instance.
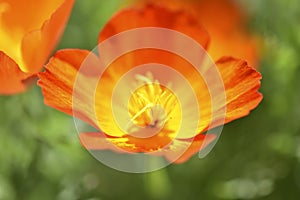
(152, 106)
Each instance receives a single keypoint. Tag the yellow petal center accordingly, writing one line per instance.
(153, 109)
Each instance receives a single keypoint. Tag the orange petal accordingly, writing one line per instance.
(238, 44)
(58, 80)
(37, 45)
(11, 77)
(241, 84)
(153, 16)
(176, 151)
(205, 11)
(182, 150)
(31, 29)
(97, 141)
(125, 143)
(229, 36)
(229, 11)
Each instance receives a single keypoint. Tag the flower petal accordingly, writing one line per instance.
(241, 84)
(11, 77)
(176, 151)
(154, 16)
(229, 36)
(37, 45)
(57, 84)
(125, 144)
(28, 15)
(30, 30)
(182, 150)
(97, 141)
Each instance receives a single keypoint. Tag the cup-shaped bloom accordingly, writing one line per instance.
(29, 31)
(150, 119)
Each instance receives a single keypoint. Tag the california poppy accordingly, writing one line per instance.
(226, 22)
(29, 31)
(144, 107)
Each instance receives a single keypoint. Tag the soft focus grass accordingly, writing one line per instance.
(257, 157)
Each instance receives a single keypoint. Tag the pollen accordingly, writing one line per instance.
(153, 109)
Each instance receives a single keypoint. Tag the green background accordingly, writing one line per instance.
(256, 157)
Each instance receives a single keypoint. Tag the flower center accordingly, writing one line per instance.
(151, 107)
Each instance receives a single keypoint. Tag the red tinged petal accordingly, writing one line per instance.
(11, 76)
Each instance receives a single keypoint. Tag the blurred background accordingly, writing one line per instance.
(256, 157)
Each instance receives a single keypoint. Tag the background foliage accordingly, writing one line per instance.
(257, 157)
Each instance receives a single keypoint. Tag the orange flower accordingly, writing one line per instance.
(152, 107)
(225, 22)
(29, 31)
